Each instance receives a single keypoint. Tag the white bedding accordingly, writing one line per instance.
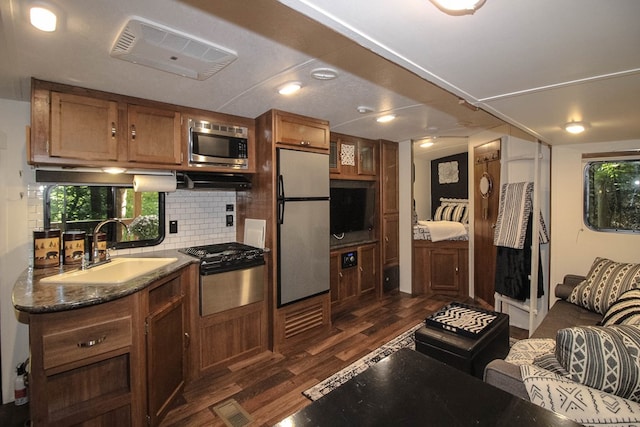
(440, 230)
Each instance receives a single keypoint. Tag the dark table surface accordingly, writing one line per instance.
(411, 389)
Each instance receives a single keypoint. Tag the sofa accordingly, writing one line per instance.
(583, 360)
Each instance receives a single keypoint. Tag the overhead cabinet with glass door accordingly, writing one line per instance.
(352, 158)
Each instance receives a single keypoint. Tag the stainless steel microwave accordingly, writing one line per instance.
(216, 144)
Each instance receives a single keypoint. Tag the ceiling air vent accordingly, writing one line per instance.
(159, 47)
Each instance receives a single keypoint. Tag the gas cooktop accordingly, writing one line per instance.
(225, 256)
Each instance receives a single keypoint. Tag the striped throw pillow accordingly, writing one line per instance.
(625, 311)
(437, 216)
(458, 212)
(606, 281)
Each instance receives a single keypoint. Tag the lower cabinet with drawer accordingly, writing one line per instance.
(119, 363)
(84, 366)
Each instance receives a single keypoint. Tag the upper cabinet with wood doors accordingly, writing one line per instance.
(300, 131)
(77, 127)
(86, 129)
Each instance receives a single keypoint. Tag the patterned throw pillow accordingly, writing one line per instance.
(578, 402)
(551, 364)
(606, 281)
(525, 351)
(625, 311)
(605, 358)
(465, 215)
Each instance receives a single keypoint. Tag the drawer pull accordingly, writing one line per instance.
(91, 343)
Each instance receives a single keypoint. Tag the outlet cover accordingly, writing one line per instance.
(173, 227)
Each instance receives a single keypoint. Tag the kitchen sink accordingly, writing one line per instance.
(119, 270)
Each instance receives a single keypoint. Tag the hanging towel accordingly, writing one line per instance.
(514, 211)
(513, 271)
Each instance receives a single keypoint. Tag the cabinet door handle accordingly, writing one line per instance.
(457, 270)
(187, 340)
(133, 131)
(305, 143)
(361, 269)
(113, 130)
(91, 343)
(340, 274)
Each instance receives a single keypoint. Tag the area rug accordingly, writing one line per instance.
(404, 340)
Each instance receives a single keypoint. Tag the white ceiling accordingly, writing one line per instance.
(533, 63)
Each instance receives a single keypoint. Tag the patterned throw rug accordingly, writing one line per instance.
(404, 340)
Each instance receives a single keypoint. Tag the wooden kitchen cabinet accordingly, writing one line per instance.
(77, 127)
(390, 220)
(87, 128)
(351, 279)
(121, 362)
(77, 120)
(165, 345)
(84, 366)
(300, 131)
(360, 157)
(153, 135)
(440, 268)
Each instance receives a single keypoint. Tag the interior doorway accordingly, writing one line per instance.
(486, 196)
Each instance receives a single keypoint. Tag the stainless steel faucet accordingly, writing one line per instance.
(96, 230)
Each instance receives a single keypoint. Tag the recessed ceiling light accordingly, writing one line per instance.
(363, 109)
(575, 127)
(426, 144)
(43, 18)
(386, 118)
(458, 7)
(289, 88)
(324, 73)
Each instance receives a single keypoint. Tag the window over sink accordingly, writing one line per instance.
(82, 207)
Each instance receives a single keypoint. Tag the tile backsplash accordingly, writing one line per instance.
(201, 217)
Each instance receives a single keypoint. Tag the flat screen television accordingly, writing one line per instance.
(351, 208)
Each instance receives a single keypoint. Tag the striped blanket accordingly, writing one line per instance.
(515, 208)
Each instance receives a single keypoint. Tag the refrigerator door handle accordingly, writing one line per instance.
(280, 187)
(281, 203)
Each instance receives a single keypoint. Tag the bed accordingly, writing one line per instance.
(441, 250)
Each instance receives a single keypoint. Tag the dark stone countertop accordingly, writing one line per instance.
(31, 296)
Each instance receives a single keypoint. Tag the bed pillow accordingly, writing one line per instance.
(625, 311)
(605, 358)
(437, 216)
(577, 402)
(604, 284)
(458, 212)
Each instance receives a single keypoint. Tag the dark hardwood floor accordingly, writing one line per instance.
(269, 387)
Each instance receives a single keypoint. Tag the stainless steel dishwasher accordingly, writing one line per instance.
(231, 275)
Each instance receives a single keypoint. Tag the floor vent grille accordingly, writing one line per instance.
(233, 414)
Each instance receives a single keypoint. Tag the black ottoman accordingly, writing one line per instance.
(468, 353)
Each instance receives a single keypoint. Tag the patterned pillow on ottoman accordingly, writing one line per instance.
(625, 311)
(576, 401)
(605, 358)
(606, 281)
